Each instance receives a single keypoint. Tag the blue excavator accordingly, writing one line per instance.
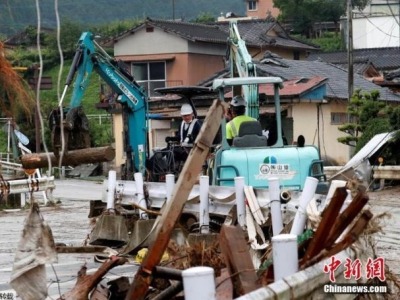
(69, 125)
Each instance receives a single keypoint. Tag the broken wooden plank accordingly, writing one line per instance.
(347, 216)
(170, 214)
(73, 158)
(350, 237)
(235, 249)
(328, 217)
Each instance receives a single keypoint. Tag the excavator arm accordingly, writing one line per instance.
(89, 58)
(241, 65)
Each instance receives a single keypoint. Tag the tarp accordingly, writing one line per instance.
(360, 159)
(35, 249)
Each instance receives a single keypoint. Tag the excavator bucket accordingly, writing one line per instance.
(75, 129)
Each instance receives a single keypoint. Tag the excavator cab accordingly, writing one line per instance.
(251, 157)
(165, 161)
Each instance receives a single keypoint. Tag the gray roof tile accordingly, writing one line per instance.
(383, 58)
(337, 84)
(253, 32)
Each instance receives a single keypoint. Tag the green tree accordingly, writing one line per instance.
(363, 108)
(69, 36)
(303, 14)
(114, 28)
(204, 18)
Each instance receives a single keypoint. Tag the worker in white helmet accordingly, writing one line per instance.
(190, 126)
(238, 110)
(187, 133)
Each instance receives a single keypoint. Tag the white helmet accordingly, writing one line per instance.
(186, 109)
(238, 101)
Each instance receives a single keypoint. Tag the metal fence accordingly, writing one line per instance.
(102, 118)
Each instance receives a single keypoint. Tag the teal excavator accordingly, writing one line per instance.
(71, 123)
(249, 156)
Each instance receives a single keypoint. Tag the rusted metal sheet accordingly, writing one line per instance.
(170, 215)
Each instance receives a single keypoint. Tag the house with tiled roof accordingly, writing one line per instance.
(303, 112)
(162, 53)
(379, 65)
(167, 53)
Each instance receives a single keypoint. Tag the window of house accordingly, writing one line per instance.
(150, 75)
(341, 118)
(251, 5)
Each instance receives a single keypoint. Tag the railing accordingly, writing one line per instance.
(386, 172)
(379, 172)
(101, 117)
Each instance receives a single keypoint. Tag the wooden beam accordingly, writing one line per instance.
(235, 250)
(328, 217)
(350, 237)
(347, 216)
(166, 223)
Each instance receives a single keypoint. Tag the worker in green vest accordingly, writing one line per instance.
(238, 110)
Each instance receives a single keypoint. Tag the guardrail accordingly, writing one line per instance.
(379, 172)
(386, 172)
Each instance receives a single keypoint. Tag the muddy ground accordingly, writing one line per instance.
(70, 225)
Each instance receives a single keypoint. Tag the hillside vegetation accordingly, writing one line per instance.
(16, 15)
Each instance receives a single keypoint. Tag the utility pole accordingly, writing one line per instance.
(350, 49)
(173, 10)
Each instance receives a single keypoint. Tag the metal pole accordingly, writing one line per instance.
(350, 49)
(173, 10)
(8, 139)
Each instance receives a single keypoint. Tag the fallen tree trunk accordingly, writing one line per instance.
(73, 158)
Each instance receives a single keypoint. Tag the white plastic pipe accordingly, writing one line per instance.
(308, 193)
(204, 216)
(332, 189)
(284, 255)
(141, 201)
(170, 184)
(111, 185)
(276, 211)
(240, 204)
(199, 283)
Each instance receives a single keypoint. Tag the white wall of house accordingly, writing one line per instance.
(158, 131)
(322, 134)
(376, 32)
(160, 42)
(156, 42)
